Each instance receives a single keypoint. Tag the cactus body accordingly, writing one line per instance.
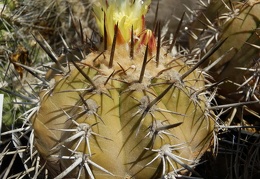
(119, 128)
(117, 115)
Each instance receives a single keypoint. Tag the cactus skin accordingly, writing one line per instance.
(117, 116)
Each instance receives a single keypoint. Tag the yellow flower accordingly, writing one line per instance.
(125, 13)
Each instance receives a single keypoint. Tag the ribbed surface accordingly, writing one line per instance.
(121, 125)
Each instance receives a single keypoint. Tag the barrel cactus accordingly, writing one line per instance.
(238, 23)
(236, 65)
(128, 109)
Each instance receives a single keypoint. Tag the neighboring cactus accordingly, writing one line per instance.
(236, 64)
(130, 109)
(238, 22)
(243, 59)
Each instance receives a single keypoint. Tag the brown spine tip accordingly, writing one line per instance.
(143, 65)
(132, 43)
(156, 15)
(84, 74)
(109, 77)
(81, 32)
(113, 48)
(157, 58)
(176, 34)
(105, 33)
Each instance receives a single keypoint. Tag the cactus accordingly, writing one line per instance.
(244, 55)
(129, 109)
(238, 22)
(236, 65)
(126, 108)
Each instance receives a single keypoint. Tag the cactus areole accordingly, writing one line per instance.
(128, 110)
